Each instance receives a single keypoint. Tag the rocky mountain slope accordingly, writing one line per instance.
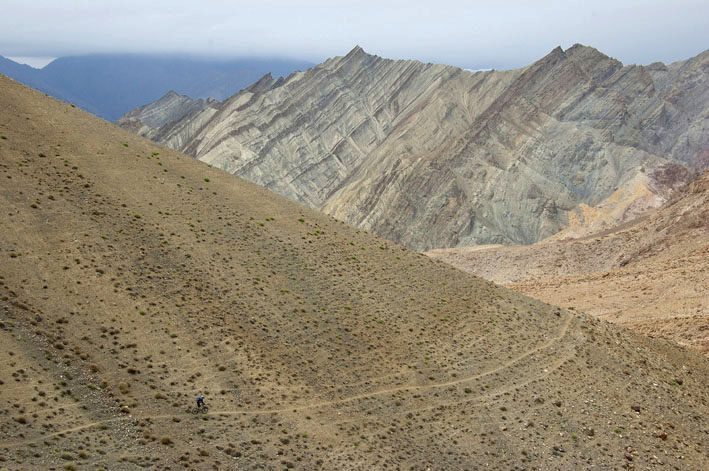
(171, 107)
(434, 156)
(651, 275)
(134, 278)
(110, 85)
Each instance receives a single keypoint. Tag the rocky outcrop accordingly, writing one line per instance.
(435, 156)
(172, 107)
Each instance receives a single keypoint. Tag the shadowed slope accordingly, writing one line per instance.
(134, 278)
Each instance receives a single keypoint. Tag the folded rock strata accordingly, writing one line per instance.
(434, 156)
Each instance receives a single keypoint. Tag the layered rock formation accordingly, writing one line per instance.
(650, 275)
(434, 156)
(147, 119)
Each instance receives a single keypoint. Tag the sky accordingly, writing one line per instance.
(474, 34)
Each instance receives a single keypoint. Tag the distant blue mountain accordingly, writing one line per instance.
(110, 85)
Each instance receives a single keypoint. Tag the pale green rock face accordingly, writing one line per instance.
(434, 156)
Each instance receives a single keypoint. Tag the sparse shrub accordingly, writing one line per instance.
(166, 440)
(3, 137)
(206, 180)
(468, 390)
(125, 144)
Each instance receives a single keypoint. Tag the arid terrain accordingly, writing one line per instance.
(433, 156)
(651, 275)
(133, 278)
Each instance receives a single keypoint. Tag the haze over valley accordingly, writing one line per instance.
(110, 85)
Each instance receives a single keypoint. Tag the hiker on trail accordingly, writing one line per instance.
(200, 401)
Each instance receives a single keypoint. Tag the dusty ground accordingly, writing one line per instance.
(133, 278)
(651, 275)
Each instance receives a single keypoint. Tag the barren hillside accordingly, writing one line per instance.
(134, 278)
(651, 275)
(433, 156)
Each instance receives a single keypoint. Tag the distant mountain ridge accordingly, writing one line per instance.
(109, 85)
(433, 156)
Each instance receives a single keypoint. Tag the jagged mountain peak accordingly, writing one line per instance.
(353, 60)
(586, 57)
(432, 157)
(171, 94)
(169, 108)
(356, 51)
(264, 83)
(581, 49)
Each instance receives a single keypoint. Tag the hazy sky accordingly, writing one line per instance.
(474, 34)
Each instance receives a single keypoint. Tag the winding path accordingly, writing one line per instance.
(315, 405)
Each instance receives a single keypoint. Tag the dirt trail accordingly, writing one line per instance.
(315, 405)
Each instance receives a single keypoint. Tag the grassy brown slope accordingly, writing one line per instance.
(651, 275)
(132, 281)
